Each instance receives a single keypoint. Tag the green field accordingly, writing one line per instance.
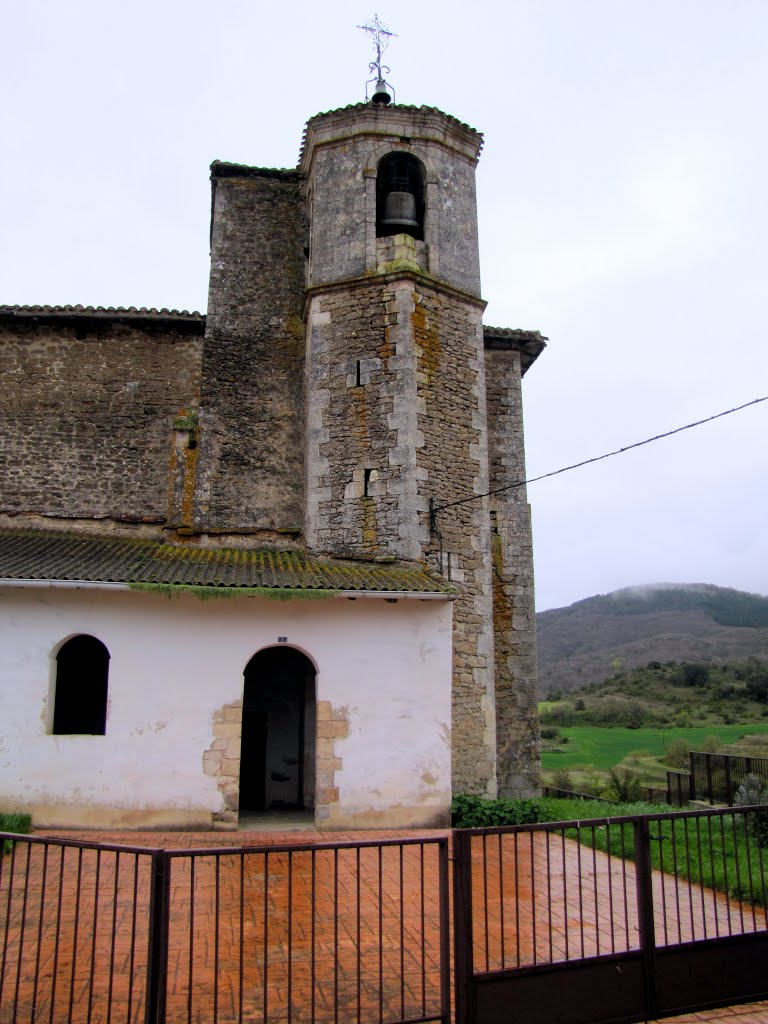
(603, 748)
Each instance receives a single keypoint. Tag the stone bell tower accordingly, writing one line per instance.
(349, 389)
(396, 391)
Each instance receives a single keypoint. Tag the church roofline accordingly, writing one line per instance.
(36, 557)
(223, 169)
(395, 106)
(530, 344)
(192, 320)
(372, 118)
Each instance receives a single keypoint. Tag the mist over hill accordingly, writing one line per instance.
(587, 641)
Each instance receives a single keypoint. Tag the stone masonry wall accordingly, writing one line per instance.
(87, 414)
(517, 720)
(452, 464)
(361, 421)
(396, 416)
(250, 470)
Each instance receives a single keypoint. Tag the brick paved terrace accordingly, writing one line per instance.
(312, 934)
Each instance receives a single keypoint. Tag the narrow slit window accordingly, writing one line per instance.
(80, 701)
(366, 482)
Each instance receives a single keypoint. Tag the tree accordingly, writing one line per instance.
(694, 674)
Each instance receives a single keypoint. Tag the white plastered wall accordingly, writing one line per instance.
(384, 668)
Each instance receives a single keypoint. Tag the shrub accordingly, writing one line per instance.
(676, 754)
(550, 732)
(562, 780)
(478, 812)
(624, 785)
(593, 781)
(750, 792)
(636, 717)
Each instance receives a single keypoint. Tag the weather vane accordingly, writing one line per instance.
(381, 36)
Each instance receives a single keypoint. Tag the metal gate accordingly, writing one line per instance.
(617, 919)
(93, 933)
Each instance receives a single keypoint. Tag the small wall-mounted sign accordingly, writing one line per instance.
(282, 639)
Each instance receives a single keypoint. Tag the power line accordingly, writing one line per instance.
(597, 458)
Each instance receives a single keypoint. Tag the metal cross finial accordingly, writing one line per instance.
(381, 36)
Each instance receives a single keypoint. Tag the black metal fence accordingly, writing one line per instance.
(567, 794)
(646, 915)
(586, 898)
(654, 795)
(346, 932)
(717, 777)
(679, 788)
(75, 927)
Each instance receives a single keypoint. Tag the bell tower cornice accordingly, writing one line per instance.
(401, 123)
(418, 278)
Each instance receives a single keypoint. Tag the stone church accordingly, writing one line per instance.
(267, 558)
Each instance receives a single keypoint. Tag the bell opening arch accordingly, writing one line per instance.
(400, 196)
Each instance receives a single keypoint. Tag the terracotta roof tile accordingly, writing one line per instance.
(106, 312)
(422, 109)
(28, 554)
(530, 344)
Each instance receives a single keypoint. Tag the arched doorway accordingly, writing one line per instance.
(277, 754)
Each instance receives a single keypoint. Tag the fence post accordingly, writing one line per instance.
(692, 777)
(462, 926)
(445, 932)
(157, 950)
(645, 924)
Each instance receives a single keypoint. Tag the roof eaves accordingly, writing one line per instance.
(461, 126)
(224, 169)
(29, 554)
(530, 344)
(133, 314)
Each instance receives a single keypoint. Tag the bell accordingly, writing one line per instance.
(400, 211)
(381, 93)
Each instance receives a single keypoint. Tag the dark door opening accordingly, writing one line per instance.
(277, 752)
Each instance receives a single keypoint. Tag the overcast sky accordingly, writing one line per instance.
(623, 213)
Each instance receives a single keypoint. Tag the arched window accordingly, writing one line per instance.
(80, 701)
(400, 196)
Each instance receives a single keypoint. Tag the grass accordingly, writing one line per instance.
(16, 822)
(19, 823)
(602, 748)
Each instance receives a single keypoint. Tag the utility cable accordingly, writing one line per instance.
(434, 509)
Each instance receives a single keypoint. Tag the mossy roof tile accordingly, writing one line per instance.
(29, 554)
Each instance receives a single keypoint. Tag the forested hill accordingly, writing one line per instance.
(589, 640)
